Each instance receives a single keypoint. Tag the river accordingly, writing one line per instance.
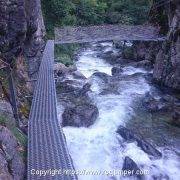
(100, 147)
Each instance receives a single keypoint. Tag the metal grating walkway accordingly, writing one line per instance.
(106, 33)
(47, 149)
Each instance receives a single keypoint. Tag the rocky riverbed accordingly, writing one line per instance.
(115, 118)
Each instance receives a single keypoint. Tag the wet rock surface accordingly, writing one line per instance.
(131, 166)
(164, 103)
(61, 71)
(145, 51)
(103, 76)
(167, 61)
(160, 102)
(156, 103)
(146, 64)
(130, 136)
(6, 110)
(80, 116)
(79, 110)
(22, 31)
(116, 83)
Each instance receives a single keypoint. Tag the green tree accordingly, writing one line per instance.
(93, 12)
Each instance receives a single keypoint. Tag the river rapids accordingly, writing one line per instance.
(100, 148)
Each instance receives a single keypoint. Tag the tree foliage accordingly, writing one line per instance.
(92, 12)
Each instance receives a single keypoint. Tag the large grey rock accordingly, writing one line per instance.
(79, 110)
(155, 104)
(80, 116)
(128, 135)
(6, 109)
(35, 34)
(12, 165)
(4, 171)
(146, 64)
(103, 76)
(6, 115)
(167, 64)
(131, 166)
(22, 31)
(162, 102)
(78, 75)
(60, 69)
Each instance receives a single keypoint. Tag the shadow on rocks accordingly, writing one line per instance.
(130, 166)
(130, 136)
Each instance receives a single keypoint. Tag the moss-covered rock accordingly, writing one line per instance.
(11, 162)
(7, 120)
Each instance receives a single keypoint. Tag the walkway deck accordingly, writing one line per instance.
(47, 147)
(106, 32)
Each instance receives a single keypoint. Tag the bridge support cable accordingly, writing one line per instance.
(47, 149)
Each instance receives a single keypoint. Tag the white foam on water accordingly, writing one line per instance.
(88, 64)
(108, 49)
(107, 44)
(129, 70)
(97, 147)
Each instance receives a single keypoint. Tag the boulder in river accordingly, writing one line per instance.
(78, 75)
(103, 76)
(110, 57)
(130, 166)
(61, 70)
(67, 86)
(79, 109)
(80, 116)
(128, 135)
(154, 103)
(84, 90)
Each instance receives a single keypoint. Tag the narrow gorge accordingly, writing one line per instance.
(118, 102)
